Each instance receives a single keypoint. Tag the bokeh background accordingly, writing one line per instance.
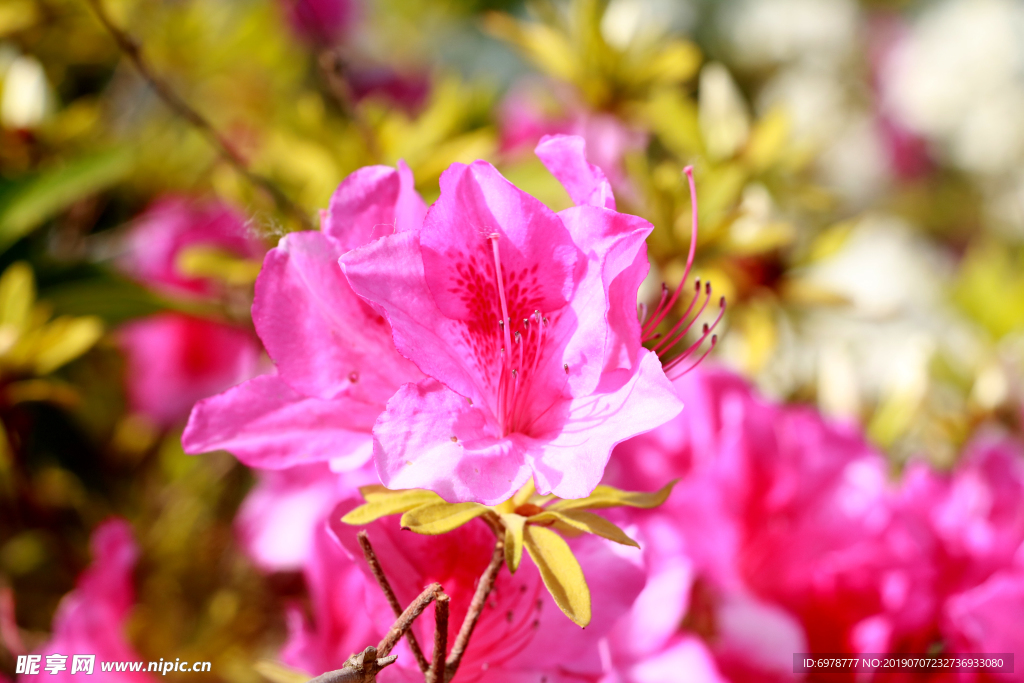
(860, 174)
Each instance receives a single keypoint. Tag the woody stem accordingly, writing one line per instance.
(389, 593)
(483, 589)
(437, 663)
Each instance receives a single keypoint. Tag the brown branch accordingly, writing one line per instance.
(389, 593)
(360, 668)
(180, 107)
(438, 664)
(332, 66)
(405, 619)
(483, 590)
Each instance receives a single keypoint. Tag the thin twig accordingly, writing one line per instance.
(437, 664)
(180, 107)
(483, 590)
(405, 619)
(332, 66)
(389, 593)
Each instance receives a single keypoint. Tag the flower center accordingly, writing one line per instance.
(518, 356)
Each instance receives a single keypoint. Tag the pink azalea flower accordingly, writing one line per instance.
(783, 517)
(173, 224)
(278, 521)
(320, 22)
(525, 118)
(513, 639)
(987, 619)
(91, 618)
(174, 360)
(524, 322)
(336, 364)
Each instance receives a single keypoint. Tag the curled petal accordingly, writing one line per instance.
(566, 158)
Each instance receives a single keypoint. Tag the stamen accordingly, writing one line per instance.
(662, 309)
(665, 342)
(501, 289)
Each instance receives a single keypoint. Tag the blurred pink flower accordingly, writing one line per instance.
(320, 22)
(780, 514)
(789, 537)
(513, 639)
(174, 360)
(529, 113)
(172, 224)
(91, 618)
(279, 519)
(987, 619)
(336, 363)
(524, 322)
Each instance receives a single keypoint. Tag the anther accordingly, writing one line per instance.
(565, 366)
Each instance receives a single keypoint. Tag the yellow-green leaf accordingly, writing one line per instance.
(65, 339)
(586, 522)
(17, 294)
(513, 540)
(382, 506)
(608, 497)
(561, 572)
(440, 518)
(373, 493)
(219, 264)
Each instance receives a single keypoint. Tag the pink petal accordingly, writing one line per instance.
(174, 360)
(430, 437)
(279, 518)
(267, 424)
(91, 618)
(324, 339)
(576, 440)
(605, 303)
(372, 202)
(685, 659)
(389, 273)
(538, 258)
(987, 618)
(174, 223)
(565, 157)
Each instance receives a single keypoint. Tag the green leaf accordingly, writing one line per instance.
(401, 501)
(513, 540)
(608, 497)
(561, 572)
(440, 518)
(29, 202)
(586, 522)
(112, 298)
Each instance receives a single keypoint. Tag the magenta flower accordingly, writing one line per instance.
(524, 322)
(513, 639)
(336, 364)
(279, 519)
(174, 360)
(173, 224)
(91, 619)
